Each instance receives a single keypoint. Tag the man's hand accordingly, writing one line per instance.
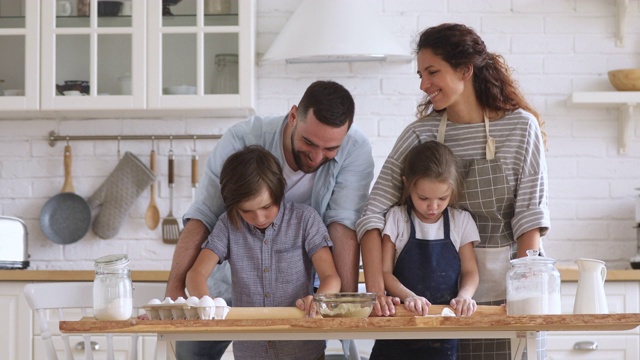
(185, 254)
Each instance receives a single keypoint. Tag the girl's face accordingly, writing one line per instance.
(430, 198)
(259, 211)
(439, 80)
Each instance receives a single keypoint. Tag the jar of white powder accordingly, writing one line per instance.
(112, 288)
(533, 286)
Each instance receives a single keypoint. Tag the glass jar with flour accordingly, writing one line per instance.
(112, 288)
(533, 286)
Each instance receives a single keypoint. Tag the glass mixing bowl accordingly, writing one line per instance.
(346, 304)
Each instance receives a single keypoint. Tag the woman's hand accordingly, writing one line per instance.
(307, 305)
(385, 305)
(417, 304)
(463, 306)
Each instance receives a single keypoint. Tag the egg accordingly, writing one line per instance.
(167, 300)
(180, 300)
(154, 302)
(192, 301)
(206, 301)
(219, 302)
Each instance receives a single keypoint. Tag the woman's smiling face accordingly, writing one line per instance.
(439, 80)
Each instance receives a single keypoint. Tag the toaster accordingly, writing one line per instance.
(13, 243)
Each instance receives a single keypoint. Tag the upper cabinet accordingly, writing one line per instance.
(19, 54)
(130, 58)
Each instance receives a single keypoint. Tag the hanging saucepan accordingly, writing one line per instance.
(65, 218)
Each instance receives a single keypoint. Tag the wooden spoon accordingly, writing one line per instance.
(152, 216)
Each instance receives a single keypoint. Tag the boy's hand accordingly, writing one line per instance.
(307, 305)
(463, 306)
(417, 304)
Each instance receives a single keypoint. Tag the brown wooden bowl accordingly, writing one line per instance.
(625, 79)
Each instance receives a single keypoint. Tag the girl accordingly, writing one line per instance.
(272, 248)
(427, 249)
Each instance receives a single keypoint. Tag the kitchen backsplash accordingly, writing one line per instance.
(554, 47)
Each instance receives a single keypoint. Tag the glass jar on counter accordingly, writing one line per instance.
(533, 286)
(226, 74)
(112, 288)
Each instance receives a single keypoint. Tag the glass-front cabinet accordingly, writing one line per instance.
(73, 56)
(93, 55)
(203, 48)
(19, 54)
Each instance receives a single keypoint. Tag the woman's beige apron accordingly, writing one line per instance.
(489, 198)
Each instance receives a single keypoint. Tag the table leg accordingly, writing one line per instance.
(163, 349)
(524, 340)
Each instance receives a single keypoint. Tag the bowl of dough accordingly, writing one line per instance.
(345, 304)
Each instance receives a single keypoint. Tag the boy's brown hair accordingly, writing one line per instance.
(245, 174)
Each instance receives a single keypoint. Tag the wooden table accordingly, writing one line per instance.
(521, 329)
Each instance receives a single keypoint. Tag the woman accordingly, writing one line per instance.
(473, 106)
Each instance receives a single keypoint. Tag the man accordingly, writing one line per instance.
(328, 165)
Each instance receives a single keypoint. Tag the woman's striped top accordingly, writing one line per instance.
(519, 147)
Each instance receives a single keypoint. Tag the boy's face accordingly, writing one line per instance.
(259, 211)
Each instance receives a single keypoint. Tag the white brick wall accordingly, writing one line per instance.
(554, 46)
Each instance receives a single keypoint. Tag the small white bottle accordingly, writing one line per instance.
(112, 288)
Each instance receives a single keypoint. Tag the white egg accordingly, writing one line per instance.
(154, 302)
(219, 302)
(180, 300)
(206, 301)
(193, 301)
(167, 300)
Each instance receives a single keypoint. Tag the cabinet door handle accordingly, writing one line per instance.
(80, 346)
(585, 345)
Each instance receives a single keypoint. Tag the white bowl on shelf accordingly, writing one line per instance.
(179, 90)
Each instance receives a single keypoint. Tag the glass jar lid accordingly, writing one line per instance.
(112, 260)
(533, 258)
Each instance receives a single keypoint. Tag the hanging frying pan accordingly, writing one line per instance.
(65, 218)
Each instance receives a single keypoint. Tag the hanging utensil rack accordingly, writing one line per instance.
(54, 137)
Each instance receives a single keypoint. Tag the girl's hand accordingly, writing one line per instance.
(417, 304)
(463, 306)
(307, 305)
(385, 305)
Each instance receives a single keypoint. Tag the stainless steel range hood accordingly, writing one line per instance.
(335, 31)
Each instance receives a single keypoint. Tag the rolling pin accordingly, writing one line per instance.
(295, 313)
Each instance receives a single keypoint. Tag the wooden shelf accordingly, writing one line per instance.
(624, 100)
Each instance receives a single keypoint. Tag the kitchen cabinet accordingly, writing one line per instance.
(17, 320)
(622, 297)
(19, 54)
(20, 335)
(138, 64)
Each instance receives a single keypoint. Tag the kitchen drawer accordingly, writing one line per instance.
(610, 347)
(622, 297)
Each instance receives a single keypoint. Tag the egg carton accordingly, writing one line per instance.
(185, 312)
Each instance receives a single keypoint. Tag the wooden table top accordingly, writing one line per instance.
(489, 319)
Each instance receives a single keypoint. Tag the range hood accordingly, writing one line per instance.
(335, 31)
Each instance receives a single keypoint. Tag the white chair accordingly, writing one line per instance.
(54, 302)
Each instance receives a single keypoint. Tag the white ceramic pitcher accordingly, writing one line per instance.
(590, 297)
